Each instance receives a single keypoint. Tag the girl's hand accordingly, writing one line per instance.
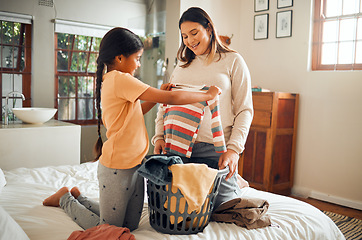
(214, 91)
(166, 86)
(159, 147)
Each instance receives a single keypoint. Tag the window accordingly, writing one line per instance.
(15, 61)
(76, 52)
(337, 38)
(76, 67)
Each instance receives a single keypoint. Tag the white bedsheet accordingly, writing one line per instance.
(26, 189)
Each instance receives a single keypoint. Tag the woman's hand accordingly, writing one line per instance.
(231, 159)
(159, 147)
(213, 91)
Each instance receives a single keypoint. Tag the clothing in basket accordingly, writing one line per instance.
(195, 182)
(155, 168)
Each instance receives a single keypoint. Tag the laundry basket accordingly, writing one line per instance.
(173, 222)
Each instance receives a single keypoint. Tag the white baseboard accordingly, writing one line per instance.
(305, 192)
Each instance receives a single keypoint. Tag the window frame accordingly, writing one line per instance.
(25, 43)
(76, 75)
(318, 37)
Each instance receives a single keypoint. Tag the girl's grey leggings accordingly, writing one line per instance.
(121, 195)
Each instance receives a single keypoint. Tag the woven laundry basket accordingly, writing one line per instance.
(179, 220)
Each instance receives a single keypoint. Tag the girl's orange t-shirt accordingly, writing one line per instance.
(127, 139)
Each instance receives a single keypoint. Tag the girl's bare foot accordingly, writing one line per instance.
(54, 199)
(75, 192)
(242, 182)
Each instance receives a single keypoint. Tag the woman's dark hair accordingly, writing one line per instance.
(117, 41)
(198, 15)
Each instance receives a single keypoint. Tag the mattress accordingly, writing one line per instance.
(26, 188)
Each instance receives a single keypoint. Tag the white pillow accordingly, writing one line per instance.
(2, 180)
(9, 228)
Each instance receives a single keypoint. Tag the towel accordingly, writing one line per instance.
(244, 212)
(103, 231)
(194, 181)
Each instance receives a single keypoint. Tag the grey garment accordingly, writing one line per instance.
(80, 214)
(121, 195)
(155, 168)
(205, 153)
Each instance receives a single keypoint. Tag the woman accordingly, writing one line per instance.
(204, 60)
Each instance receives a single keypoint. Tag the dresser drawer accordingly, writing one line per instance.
(263, 101)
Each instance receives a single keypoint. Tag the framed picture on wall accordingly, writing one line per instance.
(261, 5)
(284, 3)
(284, 24)
(261, 25)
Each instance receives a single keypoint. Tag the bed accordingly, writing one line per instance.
(21, 200)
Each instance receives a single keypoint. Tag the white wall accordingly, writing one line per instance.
(172, 32)
(328, 154)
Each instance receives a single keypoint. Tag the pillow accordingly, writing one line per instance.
(2, 180)
(9, 228)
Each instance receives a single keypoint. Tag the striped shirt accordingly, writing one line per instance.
(182, 123)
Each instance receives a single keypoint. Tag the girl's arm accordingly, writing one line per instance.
(155, 95)
(147, 106)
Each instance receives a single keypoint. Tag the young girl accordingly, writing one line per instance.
(121, 189)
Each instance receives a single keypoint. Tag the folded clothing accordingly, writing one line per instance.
(103, 231)
(244, 212)
(155, 168)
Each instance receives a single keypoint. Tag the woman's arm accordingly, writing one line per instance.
(158, 139)
(243, 112)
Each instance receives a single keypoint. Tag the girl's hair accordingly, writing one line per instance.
(197, 15)
(117, 41)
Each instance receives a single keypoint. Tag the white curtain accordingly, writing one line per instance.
(79, 28)
(16, 17)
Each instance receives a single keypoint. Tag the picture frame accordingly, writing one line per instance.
(261, 26)
(284, 3)
(284, 24)
(261, 5)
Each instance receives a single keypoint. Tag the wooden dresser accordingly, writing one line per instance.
(268, 159)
